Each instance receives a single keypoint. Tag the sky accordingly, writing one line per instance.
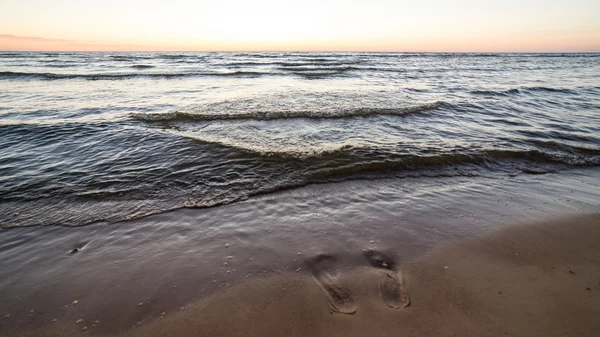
(307, 25)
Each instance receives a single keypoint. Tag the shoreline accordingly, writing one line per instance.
(548, 271)
(125, 276)
(540, 279)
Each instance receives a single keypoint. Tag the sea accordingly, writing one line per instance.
(105, 137)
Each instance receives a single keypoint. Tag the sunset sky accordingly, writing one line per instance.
(328, 25)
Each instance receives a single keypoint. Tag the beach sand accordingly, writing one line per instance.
(539, 279)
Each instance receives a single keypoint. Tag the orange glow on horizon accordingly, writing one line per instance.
(518, 44)
(310, 25)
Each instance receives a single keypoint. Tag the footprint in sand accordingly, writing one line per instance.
(323, 268)
(390, 286)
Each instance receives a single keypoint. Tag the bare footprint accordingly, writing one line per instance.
(392, 291)
(323, 269)
(391, 288)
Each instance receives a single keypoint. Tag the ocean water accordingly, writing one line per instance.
(105, 137)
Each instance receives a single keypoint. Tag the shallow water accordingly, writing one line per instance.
(130, 273)
(92, 137)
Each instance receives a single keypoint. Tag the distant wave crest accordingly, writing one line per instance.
(142, 66)
(121, 76)
(200, 115)
(522, 90)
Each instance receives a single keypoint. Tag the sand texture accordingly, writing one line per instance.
(539, 279)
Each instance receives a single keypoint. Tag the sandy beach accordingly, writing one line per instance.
(540, 279)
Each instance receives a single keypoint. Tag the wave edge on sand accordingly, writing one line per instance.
(539, 279)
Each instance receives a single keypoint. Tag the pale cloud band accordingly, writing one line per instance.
(33, 43)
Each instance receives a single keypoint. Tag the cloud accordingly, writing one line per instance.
(34, 43)
(29, 38)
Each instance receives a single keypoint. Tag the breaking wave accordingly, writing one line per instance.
(122, 76)
(200, 114)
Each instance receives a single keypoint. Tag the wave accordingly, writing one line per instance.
(245, 64)
(121, 76)
(507, 92)
(60, 65)
(300, 63)
(130, 57)
(331, 71)
(172, 56)
(199, 115)
(309, 74)
(565, 55)
(260, 55)
(440, 164)
(142, 66)
(547, 89)
(181, 171)
(341, 158)
(318, 63)
(522, 90)
(319, 75)
(301, 69)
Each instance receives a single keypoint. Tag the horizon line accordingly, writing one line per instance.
(299, 51)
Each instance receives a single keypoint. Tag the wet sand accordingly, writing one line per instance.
(120, 279)
(539, 279)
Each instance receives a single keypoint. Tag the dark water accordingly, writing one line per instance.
(89, 137)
